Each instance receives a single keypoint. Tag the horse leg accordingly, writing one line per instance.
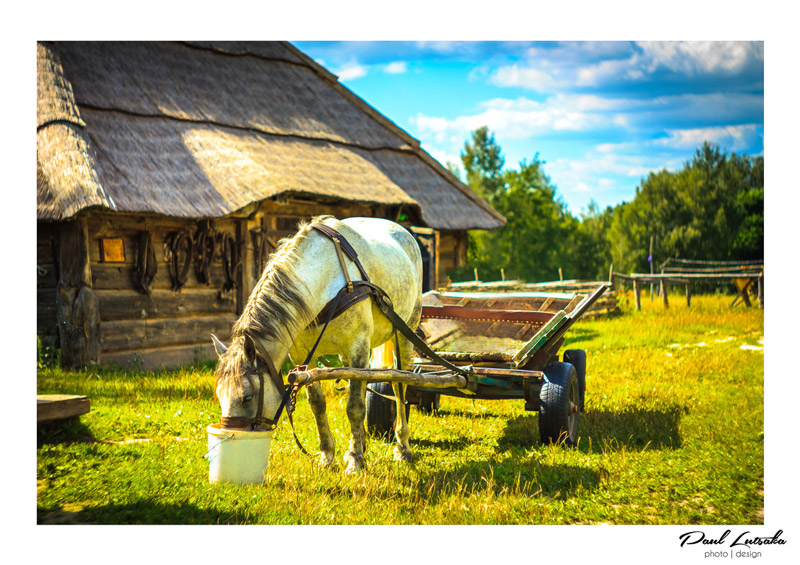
(316, 400)
(356, 410)
(402, 449)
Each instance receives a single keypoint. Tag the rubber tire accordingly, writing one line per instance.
(429, 402)
(557, 420)
(381, 413)
(577, 358)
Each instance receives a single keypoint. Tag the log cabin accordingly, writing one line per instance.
(168, 171)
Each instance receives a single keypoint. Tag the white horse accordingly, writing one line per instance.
(303, 275)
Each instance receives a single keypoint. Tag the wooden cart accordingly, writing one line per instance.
(484, 330)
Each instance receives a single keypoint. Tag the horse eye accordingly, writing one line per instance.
(247, 398)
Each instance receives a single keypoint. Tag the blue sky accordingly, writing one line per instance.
(601, 115)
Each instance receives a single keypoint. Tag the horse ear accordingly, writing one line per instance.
(218, 345)
(249, 349)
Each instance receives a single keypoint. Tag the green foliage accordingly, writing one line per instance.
(540, 235)
(47, 355)
(712, 209)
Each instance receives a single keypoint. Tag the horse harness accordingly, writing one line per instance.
(351, 293)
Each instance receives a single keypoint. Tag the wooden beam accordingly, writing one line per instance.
(637, 294)
(664, 293)
(51, 407)
(380, 375)
(77, 306)
(761, 290)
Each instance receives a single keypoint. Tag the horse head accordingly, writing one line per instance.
(240, 374)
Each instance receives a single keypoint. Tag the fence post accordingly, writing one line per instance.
(637, 293)
(688, 294)
(664, 293)
(650, 257)
(761, 290)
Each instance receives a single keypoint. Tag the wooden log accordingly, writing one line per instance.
(688, 294)
(502, 372)
(162, 357)
(246, 279)
(637, 294)
(121, 276)
(664, 293)
(650, 260)
(130, 304)
(761, 290)
(474, 357)
(380, 375)
(160, 332)
(50, 407)
(78, 307)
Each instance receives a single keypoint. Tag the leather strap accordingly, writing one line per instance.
(346, 247)
(359, 294)
(384, 303)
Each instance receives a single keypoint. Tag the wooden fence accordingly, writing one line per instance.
(748, 276)
(606, 305)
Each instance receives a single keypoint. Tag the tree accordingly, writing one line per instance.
(711, 209)
(533, 243)
(483, 162)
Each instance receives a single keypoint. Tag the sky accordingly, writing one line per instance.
(601, 115)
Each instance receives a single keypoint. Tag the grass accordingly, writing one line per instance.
(673, 434)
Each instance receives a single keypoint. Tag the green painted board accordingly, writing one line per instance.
(534, 343)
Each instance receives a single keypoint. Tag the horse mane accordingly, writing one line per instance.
(275, 307)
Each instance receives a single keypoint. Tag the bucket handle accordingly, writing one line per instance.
(208, 453)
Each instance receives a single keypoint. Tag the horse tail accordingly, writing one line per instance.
(383, 356)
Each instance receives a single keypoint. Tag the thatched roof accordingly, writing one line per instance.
(204, 129)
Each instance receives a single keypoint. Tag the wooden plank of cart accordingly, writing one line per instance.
(483, 330)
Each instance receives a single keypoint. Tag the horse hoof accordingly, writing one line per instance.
(404, 456)
(327, 461)
(355, 465)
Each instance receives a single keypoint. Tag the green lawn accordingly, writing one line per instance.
(673, 434)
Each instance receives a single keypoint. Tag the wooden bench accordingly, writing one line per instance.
(50, 407)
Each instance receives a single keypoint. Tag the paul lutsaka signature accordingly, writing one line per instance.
(745, 539)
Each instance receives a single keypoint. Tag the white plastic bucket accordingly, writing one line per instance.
(237, 456)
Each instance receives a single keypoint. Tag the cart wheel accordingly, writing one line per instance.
(382, 412)
(429, 402)
(558, 404)
(577, 358)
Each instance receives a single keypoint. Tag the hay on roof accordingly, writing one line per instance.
(205, 129)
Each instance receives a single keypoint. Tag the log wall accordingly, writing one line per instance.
(452, 254)
(46, 283)
(167, 327)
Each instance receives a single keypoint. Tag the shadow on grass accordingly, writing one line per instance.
(608, 431)
(577, 334)
(637, 429)
(141, 512)
(69, 430)
(516, 476)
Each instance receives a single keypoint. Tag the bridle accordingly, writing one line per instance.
(263, 363)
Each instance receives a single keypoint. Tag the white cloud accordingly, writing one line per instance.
(733, 138)
(565, 66)
(396, 68)
(693, 57)
(523, 118)
(528, 77)
(351, 72)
